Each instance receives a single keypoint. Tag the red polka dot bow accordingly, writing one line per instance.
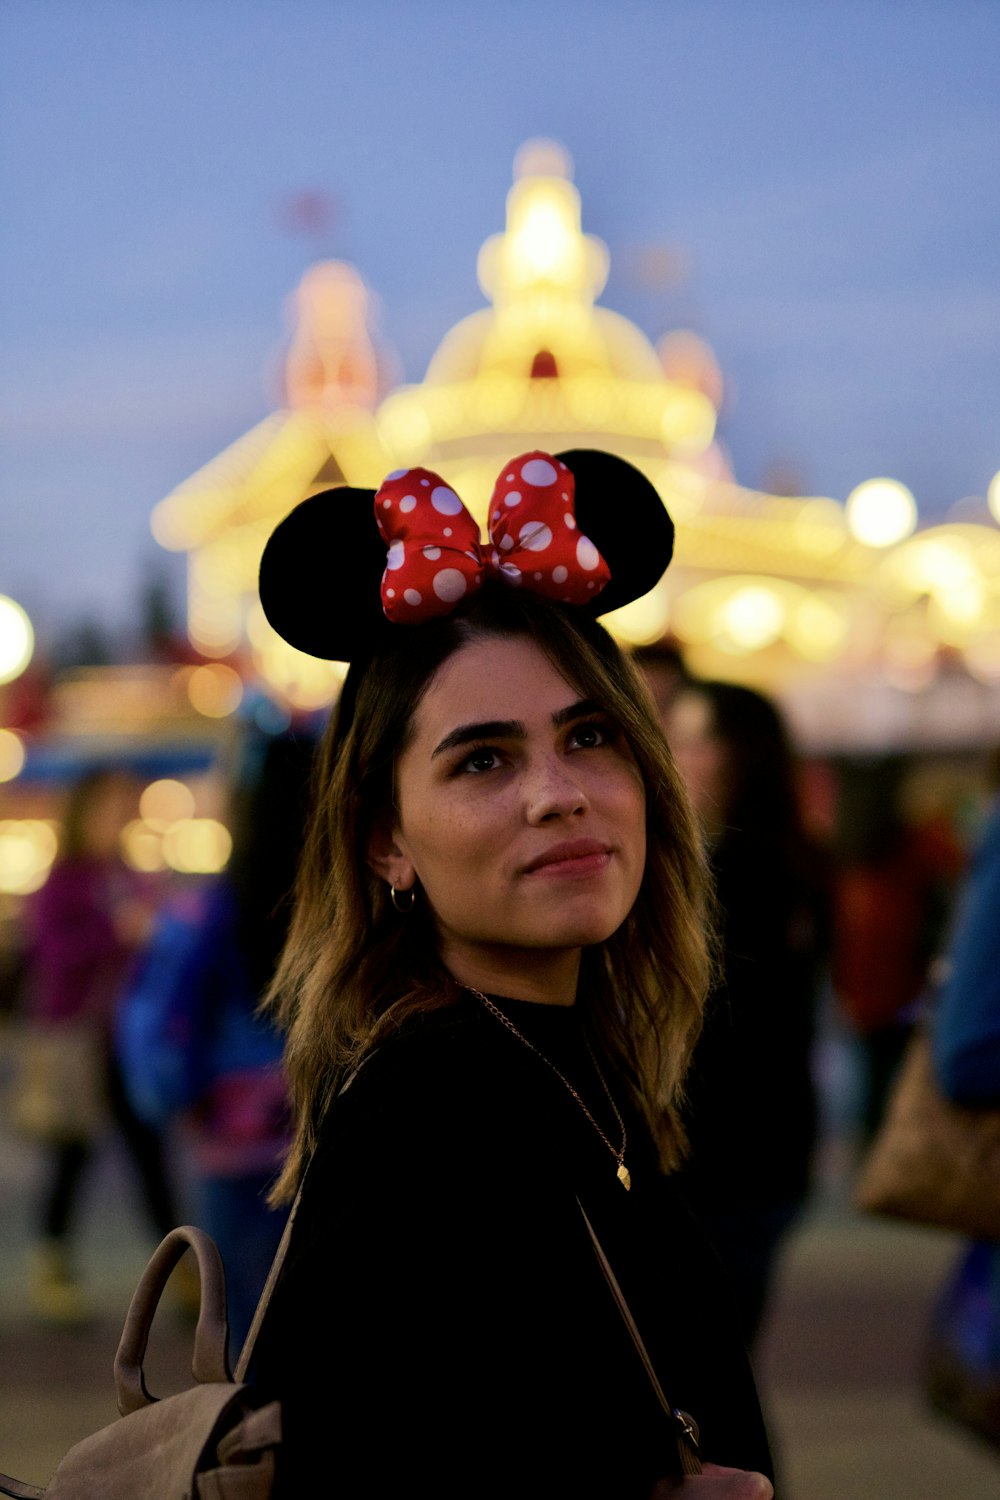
(435, 555)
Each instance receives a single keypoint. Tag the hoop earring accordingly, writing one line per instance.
(402, 906)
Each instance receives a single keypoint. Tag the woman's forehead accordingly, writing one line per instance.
(493, 678)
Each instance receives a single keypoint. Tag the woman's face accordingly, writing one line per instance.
(520, 812)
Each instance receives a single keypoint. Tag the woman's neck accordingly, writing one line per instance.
(545, 976)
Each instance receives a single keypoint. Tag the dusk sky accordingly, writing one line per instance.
(826, 176)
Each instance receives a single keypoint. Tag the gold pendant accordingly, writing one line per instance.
(624, 1176)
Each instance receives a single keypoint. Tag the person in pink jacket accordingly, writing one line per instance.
(83, 927)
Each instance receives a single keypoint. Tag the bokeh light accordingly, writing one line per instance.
(17, 639)
(27, 848)
(11, 755)
(993, 496)
(881, 512)
(164, 802)
(215, 690)
(197, 846)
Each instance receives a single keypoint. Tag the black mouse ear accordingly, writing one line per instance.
(320, 574)
(321, 571)
(622, 513)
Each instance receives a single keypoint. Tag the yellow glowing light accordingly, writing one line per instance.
(197, 846)
(305, 681)
(982, 656)
(881, 512)
(944, 565)
(215, 690)
(817, 627)
(641, 621)
(543, 242)
(164, 802)
(753, 617)
(142, 847)
(993, 496)
(11, 755)
(688, 423)
(17, 639)
(820, 527)
(27, 849)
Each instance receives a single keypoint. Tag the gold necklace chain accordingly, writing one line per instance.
(623, 1174)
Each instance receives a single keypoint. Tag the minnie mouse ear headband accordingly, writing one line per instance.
(585, 528)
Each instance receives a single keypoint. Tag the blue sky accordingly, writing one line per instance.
(828, 174)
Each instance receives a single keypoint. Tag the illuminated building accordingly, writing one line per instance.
(871, 632)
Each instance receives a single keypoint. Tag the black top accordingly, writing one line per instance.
(441, 1322)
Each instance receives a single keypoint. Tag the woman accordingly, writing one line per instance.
(83, 928)
(752, 1108)
(493, 978)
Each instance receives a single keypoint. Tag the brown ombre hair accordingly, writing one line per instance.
(353, 967)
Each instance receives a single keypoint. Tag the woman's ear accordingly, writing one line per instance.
(386, 856)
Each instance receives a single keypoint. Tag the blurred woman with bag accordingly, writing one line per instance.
(493, 980)
(83, 928)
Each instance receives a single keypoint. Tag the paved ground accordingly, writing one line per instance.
(837, 1371)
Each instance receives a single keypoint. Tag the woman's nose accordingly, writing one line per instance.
(552, 791)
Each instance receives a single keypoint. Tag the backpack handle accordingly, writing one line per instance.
(210, 1361)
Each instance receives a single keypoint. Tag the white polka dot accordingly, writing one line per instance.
(512, 574)
(445, 500)
(432, 553)
(514, 498)
(569, 520)
(390, 593)
(564, 495)
(506, 542)
(387, 505)
(591, 584)
(395, 556)
(447, 531)
(510, 479)
(537, 577)
(538, 471)
(536, 537)
(396, 474)
(412, 597)
(449, 584)
(560, 574)
(425, 482)
(562, 466)
(496, 517)
(587, 554)
(408, 503)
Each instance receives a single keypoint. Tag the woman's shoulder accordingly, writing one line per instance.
(447, 1047)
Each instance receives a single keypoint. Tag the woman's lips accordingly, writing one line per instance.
(576, 857)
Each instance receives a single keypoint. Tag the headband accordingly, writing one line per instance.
(584, 528)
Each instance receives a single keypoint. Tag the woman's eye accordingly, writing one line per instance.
(480, 760)
(591, 736)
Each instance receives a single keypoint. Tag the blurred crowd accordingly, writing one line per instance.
(133, 1002)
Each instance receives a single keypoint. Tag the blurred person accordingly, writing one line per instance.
(893, 886)
(962, 1375)
(752, 1115)
(194, 1052)
(83, 928)
(664, 670)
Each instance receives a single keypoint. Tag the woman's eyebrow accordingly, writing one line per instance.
(581, 710)
(510, 729)
(495, 729)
